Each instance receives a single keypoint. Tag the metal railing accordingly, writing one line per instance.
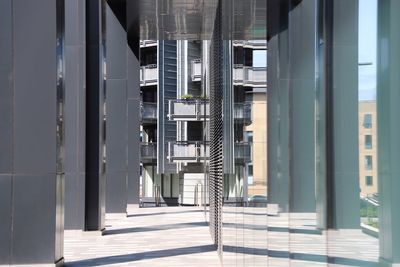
(188, 151)
(196, 70)
(249, 76)
(254, 44)
(243, 152)
(148, 152)
(189, 110)
(148, 75)
(148, 112)
(148, 43)
(242, 112)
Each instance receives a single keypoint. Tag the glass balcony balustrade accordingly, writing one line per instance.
(199, 109)
(253, 44)
(148, 152)
(147, 43)
(148, 112)
(148, 75)
(198, 151)
(249, 76)
(188, 151)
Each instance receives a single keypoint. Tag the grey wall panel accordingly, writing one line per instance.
(35, 88)
(6, 92)
(116, 125)
(75, 83)
(116, 102)
(133, 111)
(5, 218)
(40, 229)
(116, 193)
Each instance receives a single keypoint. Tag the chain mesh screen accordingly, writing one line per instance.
(216, 133)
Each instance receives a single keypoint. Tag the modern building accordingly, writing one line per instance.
(180, 129)
(97, 96)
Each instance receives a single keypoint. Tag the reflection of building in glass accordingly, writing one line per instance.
(368, 148)
(175, 73)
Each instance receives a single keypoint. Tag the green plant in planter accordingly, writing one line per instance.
(187, 97)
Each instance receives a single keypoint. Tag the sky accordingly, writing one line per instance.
(367, 40)
(366, 53)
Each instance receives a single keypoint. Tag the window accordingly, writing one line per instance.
(369, 181)
(367, 121)
(249, 136)
(250, 174)
(368, 162)
(368, 142)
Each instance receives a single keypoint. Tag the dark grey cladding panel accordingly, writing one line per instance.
(74, 201)
(6, 92)
(41, 226)
(116, 192)
(166, 90)
(35, 87)
(5, 218)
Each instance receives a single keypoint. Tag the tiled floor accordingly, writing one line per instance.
(167, 236)
(179, 236)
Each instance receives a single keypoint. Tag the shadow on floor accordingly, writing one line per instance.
(141, 256)
(154, 228)
(162, 213)
(300, 256)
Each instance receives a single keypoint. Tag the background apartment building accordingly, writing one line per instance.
(175, 134)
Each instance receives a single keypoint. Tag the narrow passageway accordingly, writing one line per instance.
(166, 236)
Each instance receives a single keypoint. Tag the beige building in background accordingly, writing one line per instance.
(258, 183)
(368, 148)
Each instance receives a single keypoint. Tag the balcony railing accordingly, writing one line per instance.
(148, 75)
(147, 43)
(189, 110)
(198, 151)
(249, 76)
(193, 110)
(188, 151)
(243, 152)
(148, 152)
(253, 44)
(242, 113)
(148, 112)
(196, 70)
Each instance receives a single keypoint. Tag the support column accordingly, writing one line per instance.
(133, 102)
(388, 108)
(302, 44)
(75, 104)
(341, 85)
(95, 116)
(31, 132)
(116, 137)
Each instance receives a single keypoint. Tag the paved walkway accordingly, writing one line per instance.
(167, 236)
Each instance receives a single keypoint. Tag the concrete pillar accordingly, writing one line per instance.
(302, 45)
(116, 98)
(388, 131)
(75, 104)
(133, 102)
(95, 116)
(31, 132)
(343, 175)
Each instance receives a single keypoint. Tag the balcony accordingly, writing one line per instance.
(242, 113)
(253, 44)
(148, 113)
(249, 76)
(243, 152)
(188, 151)
(148, 75)
(196, 70)
(148, 152)
(189, 110)
(147, 43)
